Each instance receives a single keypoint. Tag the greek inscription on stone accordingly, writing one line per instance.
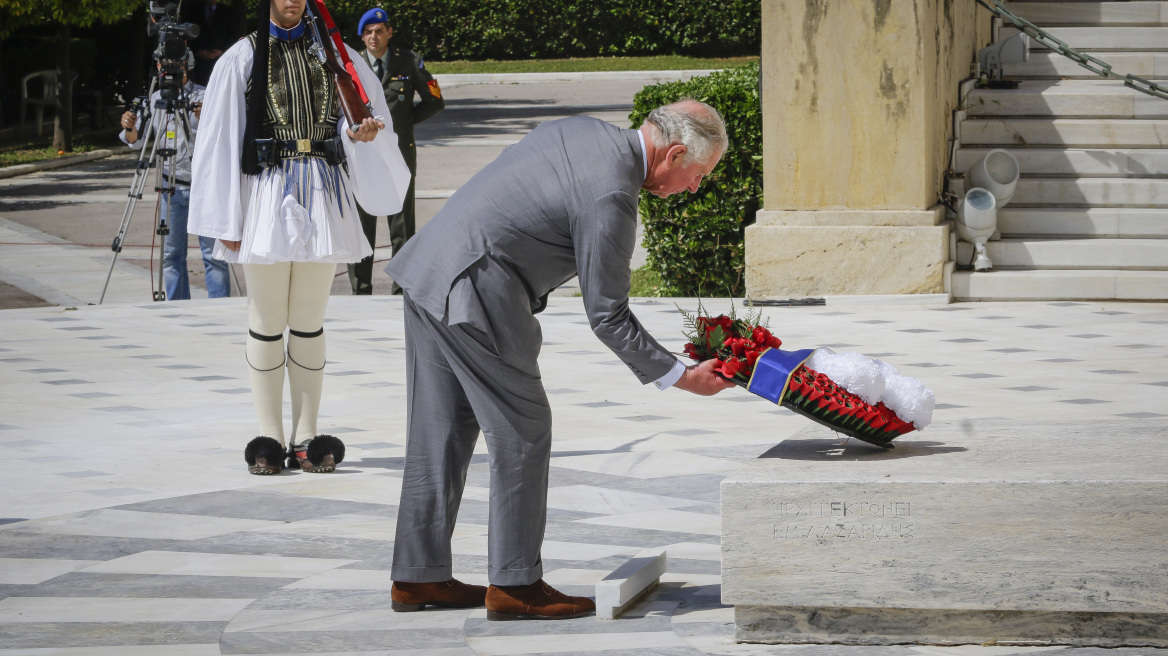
(842, 520)
(809, 509)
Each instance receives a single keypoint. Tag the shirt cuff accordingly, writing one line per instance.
(674, 375)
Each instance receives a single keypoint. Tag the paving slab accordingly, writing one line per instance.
(123, 418)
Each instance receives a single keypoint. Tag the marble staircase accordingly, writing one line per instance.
(1089, 219)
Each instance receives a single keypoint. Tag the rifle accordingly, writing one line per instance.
(354, 101)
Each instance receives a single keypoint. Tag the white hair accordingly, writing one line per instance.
(693, 124)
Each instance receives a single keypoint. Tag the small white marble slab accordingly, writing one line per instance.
(627, 643)
(628, 583)
(134, 524)
(118, 609)
(30, 571)
(119, 650)
(186, 563)
(663, 520)
(266, 621)
(592, 499)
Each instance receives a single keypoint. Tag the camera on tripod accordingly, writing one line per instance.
(165, 125)
(171, 52)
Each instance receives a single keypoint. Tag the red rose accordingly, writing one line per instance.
(761, 335)
(736, 345)
(692, 351)
(752, 357)
(731, 367)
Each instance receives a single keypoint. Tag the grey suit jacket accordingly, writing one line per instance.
(562, 202)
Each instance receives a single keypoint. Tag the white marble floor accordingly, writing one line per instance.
(129, 525)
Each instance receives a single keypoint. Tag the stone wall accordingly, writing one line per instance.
(857, 113)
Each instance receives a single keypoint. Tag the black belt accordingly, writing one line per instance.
(269, 151)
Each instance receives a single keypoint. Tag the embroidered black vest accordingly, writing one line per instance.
(302, 100)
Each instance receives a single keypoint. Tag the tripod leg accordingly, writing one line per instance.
(140, 177)
(235, 277)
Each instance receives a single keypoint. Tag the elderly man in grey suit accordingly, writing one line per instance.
(560, 203)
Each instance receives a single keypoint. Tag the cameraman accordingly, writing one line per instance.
(174, 247)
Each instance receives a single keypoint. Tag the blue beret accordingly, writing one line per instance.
(375, 15)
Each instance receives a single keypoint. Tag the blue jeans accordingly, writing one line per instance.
(174, 252)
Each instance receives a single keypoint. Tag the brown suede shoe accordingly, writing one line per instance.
(538, 601)
(408, 597)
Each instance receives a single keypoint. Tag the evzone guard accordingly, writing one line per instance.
(288, 140)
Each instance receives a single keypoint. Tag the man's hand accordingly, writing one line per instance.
(197, 108)
(367, 131)
(701, 379)
(231, 245)
(129, 119)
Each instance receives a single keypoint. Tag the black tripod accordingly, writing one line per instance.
(172, 115)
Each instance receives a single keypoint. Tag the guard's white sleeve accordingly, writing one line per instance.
(216, 196)
(377, 170)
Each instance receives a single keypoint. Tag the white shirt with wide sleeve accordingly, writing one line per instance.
(264, 212)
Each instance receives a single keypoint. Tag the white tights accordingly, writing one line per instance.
(289, 295)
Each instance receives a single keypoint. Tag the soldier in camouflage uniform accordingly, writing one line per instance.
(402, 75)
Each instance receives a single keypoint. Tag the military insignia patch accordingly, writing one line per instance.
(434, 90)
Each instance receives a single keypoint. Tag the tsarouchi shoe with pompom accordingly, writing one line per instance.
(321, 455)
(264, 456)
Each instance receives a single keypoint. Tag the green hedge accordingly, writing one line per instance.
(695, 241)
(445, 30)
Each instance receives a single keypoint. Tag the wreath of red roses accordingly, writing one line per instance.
(737, 344)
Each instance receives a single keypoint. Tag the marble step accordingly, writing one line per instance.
(1101, 39)
(1053, 285)
(1067, 99)
(1085, 192)
(1078, 133)
(1103, 162)
(1046, 14)
(1130, 254)
(1148, 65)
(1116, 222)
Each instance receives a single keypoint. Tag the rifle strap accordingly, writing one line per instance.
(335, 34)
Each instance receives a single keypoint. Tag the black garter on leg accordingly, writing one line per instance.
(264, 455)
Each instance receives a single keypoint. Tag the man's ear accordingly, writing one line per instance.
(389, 32)
(675, 154)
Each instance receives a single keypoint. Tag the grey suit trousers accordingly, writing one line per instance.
(457, 383)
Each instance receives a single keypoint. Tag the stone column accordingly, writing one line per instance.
(857, 106)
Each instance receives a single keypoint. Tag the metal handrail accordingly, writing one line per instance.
(1093, 64)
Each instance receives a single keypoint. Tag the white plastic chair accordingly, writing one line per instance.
(48, 97)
